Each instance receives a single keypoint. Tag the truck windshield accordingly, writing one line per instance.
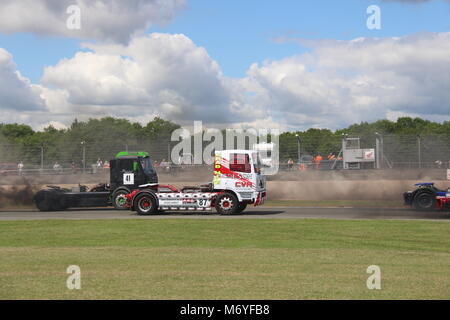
(146, 164)
(256, 162)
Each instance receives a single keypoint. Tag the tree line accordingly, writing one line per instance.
(102, 138)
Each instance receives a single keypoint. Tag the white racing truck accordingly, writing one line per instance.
(237, 182)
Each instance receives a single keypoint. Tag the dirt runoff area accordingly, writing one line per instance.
(342, 190)
(20, 195)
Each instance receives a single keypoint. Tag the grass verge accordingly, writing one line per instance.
(224, 259)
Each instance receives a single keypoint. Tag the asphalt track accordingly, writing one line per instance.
(250, 213)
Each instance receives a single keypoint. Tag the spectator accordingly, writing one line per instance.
(331, 158)
(20, 168)
(57, 167)
(106, 164)
(438, 163)
(73, 167)
(290, 164)
(318, 159)
(99, 163)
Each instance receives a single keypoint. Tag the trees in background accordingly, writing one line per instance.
(104, 137)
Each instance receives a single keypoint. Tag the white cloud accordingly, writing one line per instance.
(16, 92)
(160, 74)
(342, 82)
(55, 124)
(112, 20)
(335, 84)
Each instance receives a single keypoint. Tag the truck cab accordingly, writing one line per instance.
(131, 169)
(239, 171)
(128, 171)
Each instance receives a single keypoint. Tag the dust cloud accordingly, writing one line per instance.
(18, 195)
(313, 185)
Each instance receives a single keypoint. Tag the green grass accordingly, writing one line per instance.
(336, 203)
(224, 259)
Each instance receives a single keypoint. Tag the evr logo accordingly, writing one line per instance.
(243, 184)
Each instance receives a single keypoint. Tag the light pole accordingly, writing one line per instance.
(83, 143)
(419, 151)
(42, 158)
(379, 150)
(298, 148)
(168, 152)
(344, 147)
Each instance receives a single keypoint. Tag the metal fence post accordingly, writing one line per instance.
(298, 148)
(168, 152)
(377, 151)
(83, 143)
(42, 158)
(419, 151)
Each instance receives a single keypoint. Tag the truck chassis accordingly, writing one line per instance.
(147, 201)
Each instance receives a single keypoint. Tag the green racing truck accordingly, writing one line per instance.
(128, 170)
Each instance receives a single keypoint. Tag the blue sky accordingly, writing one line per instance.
(239, 33)
(286, 64)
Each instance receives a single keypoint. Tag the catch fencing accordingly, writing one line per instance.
(394, 151)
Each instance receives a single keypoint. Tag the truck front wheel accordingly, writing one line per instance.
(119, 200)
(227, 204)
(242, 207)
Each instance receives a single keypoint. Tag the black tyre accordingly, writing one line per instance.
(50, 201)
(43, 201)
(145, 204)
(242, 207)
(119, 200)
(56, 203)
(227, 204)
(425, 201)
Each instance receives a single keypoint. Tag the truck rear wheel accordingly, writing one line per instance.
(57, 204)
(119, 200)
(425, 201)
(145, 204)
(227, 204)
(43, 201)
(49, 201)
